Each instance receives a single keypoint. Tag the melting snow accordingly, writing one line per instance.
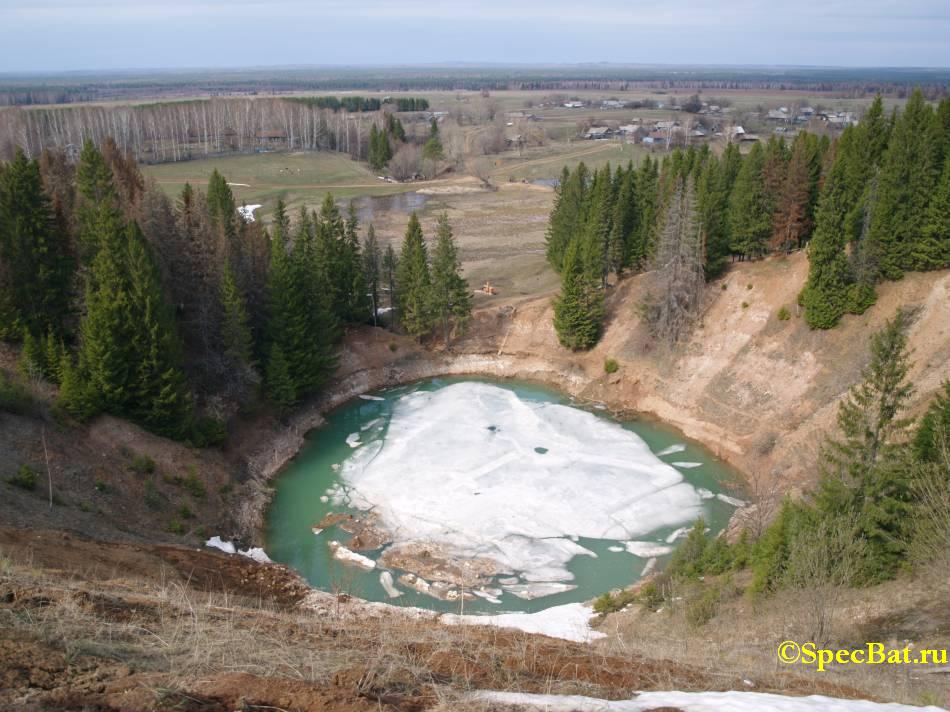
(216, 542)
(247, 212)
(601, 482)
(228, 547)
(732, 701)
(343, 554)
(569, 622)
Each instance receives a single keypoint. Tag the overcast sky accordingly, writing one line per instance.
(113, 34)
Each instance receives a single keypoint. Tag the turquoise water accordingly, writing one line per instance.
(297, 506)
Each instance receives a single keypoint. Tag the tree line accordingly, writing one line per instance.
(183, 130)
(175, 314)
(869, 206)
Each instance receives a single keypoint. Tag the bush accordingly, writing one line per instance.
(14, 397)
(611, 366)
(176, 527)
(745, 305)
(703, 608)
(209, 432)
(101, 486)
(784, 314)
(749, 285)
(185, 513)
(393, 346)
(611, 603)
(192, 482)
(143, 465)
(651, 595)
(153, 498)
(25, 478)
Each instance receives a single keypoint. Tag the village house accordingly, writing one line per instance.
(611, 104)
(573, 104)
(599, 132)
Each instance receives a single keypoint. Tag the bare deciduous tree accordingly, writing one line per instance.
(406, 163)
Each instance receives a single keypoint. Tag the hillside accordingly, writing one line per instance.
(147, 620)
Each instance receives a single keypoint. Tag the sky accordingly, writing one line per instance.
(54, 35)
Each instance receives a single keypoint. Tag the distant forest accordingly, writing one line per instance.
(181, 130)
(32, 89)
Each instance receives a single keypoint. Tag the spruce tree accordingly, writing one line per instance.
(932, 249)
(568, 214)
(372, 269)
(351, 280)
(597, 230)
(221, 205)
(34, 252)
(712, 203)
(280, 384)
(624, 222)
(414, 294)
(647, 187)
(373, 153)
(750, 210)
(98, 213)
(794, 204)
(390, 268)
(579, 309)
(908, 176)
(452, 299)
(933, 431)
(861, 472)
(236, 334)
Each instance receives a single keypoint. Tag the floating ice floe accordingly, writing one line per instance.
(687, 465)
(615, 549)
(731, 701)
(370, 424)
(531, 591)
(647, 549)
(341, 553)
(730, 500)
(386, 581)
(682, 531)
(365, 396)
(648, 567)
(353, 440)
(671, 450)
(705, 493)
(247, 212)
(228, 547)
(569, 622)
(445, 446)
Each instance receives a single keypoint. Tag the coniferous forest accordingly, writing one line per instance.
(868, 206)
(177, 313)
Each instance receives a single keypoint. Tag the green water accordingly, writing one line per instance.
(297, 507)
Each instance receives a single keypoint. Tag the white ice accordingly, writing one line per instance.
(228, 547)
(341, 553)
(671, 450)
(569, 622)
(459, 468)
(682, 531)
(647, 549)
(386, 581)
(615, 549)
(687, 465)
(531, 591)
(370, 398)
(247, 212)
(705, 493)
(730, 500)
(353, 440)
(731, 701)
(256, 553)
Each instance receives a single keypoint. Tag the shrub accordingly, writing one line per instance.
(143, 465)
(651, 595)
(192, 482)
(393, 346)
(176, 527)
(703, 608)
(749, 285)
(153, 499)
(784, 314)
(745, 305)
(14, 397)
(611, 603)
(185, 513)
(25, 478)
(101, 485)
(725, 286)
(209, 432)
(611, 366)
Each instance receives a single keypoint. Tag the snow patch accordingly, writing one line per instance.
(216, 542)
(458, 468)
(247, 212)
(732, 701)
(255, 552)
(569, 622)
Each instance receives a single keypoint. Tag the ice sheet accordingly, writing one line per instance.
(459, 468)
(731, 701)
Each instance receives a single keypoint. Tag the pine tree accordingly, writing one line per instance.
(861, 473)
(372, 269)
(907, 180)
(452, 299)
(414, 294)
(579, 309)
(35, 254)
(750, 211)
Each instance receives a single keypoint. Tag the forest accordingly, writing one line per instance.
(182, 130)
(179, 314)
(868, 206)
